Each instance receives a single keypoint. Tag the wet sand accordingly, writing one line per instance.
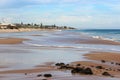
(107, 56)
(111, 62)
(11, 40)
(35, 70)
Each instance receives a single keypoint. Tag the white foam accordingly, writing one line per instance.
(103, 38)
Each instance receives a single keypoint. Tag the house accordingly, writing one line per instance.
(7, 26)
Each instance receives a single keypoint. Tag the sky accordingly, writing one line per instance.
(81, 14)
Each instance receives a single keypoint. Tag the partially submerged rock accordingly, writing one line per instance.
(87, 71)
(47, 75)
(106, 74)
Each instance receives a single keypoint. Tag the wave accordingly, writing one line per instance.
(88, 47)
(33, 44)
(103, 38)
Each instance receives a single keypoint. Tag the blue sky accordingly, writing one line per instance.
(76, 13)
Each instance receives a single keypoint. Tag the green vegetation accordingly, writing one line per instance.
(41, 26)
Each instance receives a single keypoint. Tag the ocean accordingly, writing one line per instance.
(107, 34)
(74, 38)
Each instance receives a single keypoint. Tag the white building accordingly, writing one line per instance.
(6, 25)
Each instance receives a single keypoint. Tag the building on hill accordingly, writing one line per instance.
(7, 26)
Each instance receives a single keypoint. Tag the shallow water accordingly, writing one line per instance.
(57, 75)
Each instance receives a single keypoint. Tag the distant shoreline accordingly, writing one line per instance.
(28, 29)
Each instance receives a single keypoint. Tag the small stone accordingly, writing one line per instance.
(39, 75)
(106, 74)
(78, 64)
(99, 67)
(25, 73)
(112, 62)
(103, 61)
(47, 75)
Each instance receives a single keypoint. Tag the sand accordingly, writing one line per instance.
(107, 56)
(11, 40)
(19, 30)
(25, 30)
(94, 59)
(34, 70)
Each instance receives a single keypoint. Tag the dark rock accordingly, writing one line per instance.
(116, 63)
(39, 75)
(87, 71)
(77, 70)
(106, 74)
(103, 61)
(112, 62)
(118, 69)
(44, 79)
(25, 73)
(59, 64)
(99, 67)
(63, 67)
(119, 64)
(78, 65)
(47, 75)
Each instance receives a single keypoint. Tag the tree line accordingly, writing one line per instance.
(41, 26)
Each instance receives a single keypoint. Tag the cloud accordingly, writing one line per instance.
(87, 13)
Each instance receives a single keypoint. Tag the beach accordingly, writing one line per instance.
(36, 52)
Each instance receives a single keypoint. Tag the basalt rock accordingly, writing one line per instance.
(106, 74)
(99, 67)
(39, 75)
(87, 71)
(77, 70)
(103, 61)
(47, 75)
(60, 64)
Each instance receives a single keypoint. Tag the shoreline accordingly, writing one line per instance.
(27, 30)
(93, 59)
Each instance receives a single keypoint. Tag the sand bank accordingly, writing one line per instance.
(108, 56)
(11, 40)
(36, 70)
(108, 60)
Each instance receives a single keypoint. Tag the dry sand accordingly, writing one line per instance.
(19, 30)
